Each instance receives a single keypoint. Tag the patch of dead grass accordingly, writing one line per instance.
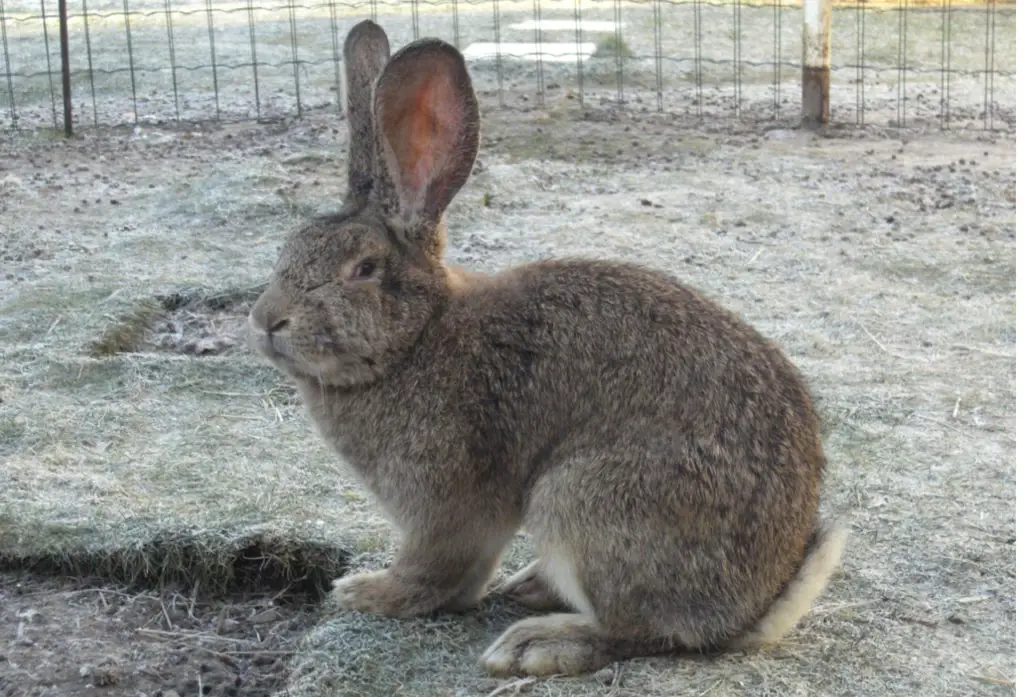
(189, 321)
(214, 563)
(127, 333)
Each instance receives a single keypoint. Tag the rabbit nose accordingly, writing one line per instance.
(264, 323)
(277, 326)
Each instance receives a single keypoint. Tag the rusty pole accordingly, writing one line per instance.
(817, 60)
(65, 66)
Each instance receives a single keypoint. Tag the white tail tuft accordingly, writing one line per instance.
(796, 600)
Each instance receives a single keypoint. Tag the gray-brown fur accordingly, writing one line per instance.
(366, 53)
(663, 455)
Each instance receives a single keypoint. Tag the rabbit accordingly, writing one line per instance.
(663, 456)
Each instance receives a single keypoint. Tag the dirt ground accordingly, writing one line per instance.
(883, 261)
(79, 639)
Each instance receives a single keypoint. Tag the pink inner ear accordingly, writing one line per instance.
(422, 130)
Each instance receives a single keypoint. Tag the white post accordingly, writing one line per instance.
(817, 60)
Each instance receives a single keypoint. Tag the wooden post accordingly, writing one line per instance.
(65, 67)
(817, 60)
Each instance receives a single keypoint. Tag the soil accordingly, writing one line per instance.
(76, 638)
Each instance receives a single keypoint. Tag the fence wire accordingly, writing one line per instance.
(161, 61)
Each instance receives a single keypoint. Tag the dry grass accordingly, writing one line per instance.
(886, 270)
(127, 333)
(110, 441)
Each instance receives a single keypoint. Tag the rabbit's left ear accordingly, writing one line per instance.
(428, 123)
(366, 54)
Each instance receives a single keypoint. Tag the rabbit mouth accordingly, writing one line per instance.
(278, 351)
(262, 341)
(327, 367)
(276, 348)
(272, 348)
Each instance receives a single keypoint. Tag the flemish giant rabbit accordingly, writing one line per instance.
(664, 456)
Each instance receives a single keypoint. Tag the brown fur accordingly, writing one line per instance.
(663, 455)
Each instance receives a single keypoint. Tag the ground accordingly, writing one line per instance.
(168, 515)
(79, 639)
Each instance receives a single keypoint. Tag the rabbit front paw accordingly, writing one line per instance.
(389, 594)
(374, 592)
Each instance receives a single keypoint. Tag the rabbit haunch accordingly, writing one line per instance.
(663, 455)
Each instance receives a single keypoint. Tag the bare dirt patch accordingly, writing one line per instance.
(71, 638)
(190, 322)
(198, 333)
(198, 323)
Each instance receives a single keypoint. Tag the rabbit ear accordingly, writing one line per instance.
(428, 125)
(366, 54)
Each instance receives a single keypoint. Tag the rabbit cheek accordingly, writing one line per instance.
(279, 351)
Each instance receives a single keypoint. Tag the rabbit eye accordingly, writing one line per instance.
(365, 269)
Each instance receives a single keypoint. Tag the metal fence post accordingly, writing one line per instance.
(817, 60)
(65, 67)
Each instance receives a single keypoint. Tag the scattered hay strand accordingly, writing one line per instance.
(514, 687)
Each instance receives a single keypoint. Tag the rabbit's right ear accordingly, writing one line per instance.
(366, 53)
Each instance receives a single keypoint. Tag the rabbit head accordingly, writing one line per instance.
(352, 291)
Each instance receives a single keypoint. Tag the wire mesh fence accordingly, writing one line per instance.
(160, 61)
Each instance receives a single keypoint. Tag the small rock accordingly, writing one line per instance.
(208, 345)
(19, 637)
(606, 676)
(107, 675)
(268, 615)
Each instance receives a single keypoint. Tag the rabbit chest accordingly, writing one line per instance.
(401, 453)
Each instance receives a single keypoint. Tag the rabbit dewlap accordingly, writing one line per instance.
(664, 457)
